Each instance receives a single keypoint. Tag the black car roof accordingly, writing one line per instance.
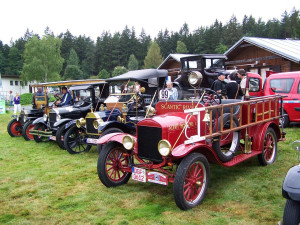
(140, 75)
(85, 87)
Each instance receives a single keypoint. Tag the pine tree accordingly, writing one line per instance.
(72, 70)
(133, 63)
(153, 58)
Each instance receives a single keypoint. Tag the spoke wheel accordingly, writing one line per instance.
(191, 181)
(39, 138)
(108, 131)
(225, 146)
(269, 150)
(14, 128)
(112, 161)
(28, 126)
(75, 140)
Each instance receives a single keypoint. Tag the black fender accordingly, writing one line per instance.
(70, 123)
(39, 120)
(61, 122)
(291, 184)
(115, 124)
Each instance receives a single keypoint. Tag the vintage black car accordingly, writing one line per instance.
(206, 66)
(53, 127)
(121, 111)
(22, 124)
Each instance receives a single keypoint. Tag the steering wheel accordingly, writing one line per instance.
(137, 101)
(78, 104)
(209, 97)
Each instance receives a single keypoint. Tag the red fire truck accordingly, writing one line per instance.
(179, 143)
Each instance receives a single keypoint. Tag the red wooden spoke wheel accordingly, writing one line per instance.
(191, 181)
(113, 165)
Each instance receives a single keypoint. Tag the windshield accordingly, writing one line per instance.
(82, 95)
(119, 87)
(214, 63)
(281, 85)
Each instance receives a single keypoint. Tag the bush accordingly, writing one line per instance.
(26, 98)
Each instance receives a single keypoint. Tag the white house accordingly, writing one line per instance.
(12, 83)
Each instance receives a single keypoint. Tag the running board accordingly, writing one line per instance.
(240, 158)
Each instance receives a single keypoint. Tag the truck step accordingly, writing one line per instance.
(240, 158)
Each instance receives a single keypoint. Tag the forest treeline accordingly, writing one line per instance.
(127, 50)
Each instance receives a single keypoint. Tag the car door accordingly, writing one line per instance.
(294, 101)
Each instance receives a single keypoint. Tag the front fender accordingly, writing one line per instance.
(183, 150)
(118, 137)
(39, 120)
(291, 184)
(60, 122)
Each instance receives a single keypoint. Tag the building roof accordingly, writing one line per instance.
(289, 49)
(175, 57)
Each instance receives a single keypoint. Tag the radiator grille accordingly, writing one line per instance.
(89, 126)
(52, 118)
(148, 138)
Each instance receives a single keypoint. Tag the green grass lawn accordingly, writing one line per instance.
(42, 184)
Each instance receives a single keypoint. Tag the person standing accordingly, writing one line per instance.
(219, 84)
(17, 104)
(242, 75)
(10, 99)
(233, 89)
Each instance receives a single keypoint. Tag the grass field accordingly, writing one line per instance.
(41, 184)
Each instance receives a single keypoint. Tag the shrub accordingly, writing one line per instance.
(26, 99)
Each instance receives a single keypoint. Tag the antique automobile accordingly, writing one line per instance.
(206, 65)
(53, 126)
(291, 191)
(22, 124)
(178, 144)
(121, 111)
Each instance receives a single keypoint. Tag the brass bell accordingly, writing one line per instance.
(206, 117)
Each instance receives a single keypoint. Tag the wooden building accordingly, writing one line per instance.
(261, 55)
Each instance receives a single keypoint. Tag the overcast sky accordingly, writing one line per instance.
(92, 17)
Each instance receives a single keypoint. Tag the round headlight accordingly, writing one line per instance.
(80, 122)
(57, 117)
(195, 78)
(45, 117)
(164, 147)
(97, 123)
(128, 142)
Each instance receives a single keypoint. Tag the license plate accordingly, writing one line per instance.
(53, 138)
(157, 178)
(91, 141)
(138, 174)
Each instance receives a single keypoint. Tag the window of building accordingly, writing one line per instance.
(16, 83)
(11, 83)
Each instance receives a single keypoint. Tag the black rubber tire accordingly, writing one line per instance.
(60, 133)
(181, 186)
(234, 141)
(291, 214)
(71, 142)
(38, 138)
(106, 155)
(264, 158)
(108, 131)
(26, 128)
(14, 128)
(285, 121)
